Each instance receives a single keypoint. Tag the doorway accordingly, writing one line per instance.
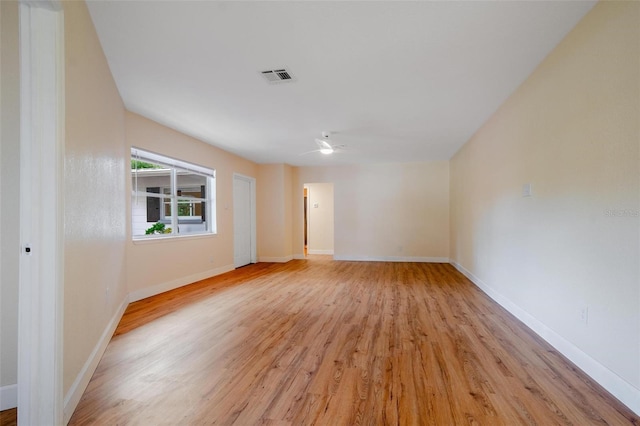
(318, 218)
(244, 220)
(306, 209)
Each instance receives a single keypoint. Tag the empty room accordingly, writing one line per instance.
(320, 212)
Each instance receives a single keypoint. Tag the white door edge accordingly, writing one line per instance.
(252, 183)
(40, 305)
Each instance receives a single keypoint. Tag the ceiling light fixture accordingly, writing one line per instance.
(324, 147)
(326, 151)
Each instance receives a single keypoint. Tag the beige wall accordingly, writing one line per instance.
(95, 210)
(572, 131)
(288, 211)
(382, 211)
(10, 192)
(103, 267)
(274, 213)
(320, 218)
(159, 265)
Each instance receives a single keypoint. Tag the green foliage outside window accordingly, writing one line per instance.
(184, 209)
(137, 164)
(158, 228)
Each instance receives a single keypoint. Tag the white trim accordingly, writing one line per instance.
(8, 397)
(616, 385)
(40, 304)
(317, 251)
(72, 398)
(164, 160)
(306, 216)
(162, 238)
(143, 293)
(254, 226)
(52, 5)
(174, 169)
(252, 187)
(283, 259)
(299, 256)
(358, 258)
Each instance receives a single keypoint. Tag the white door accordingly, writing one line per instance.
(242, 207)
(41, 283)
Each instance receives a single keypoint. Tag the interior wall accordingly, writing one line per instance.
(270, 211)
(9, 201)
(158, 265)
(392, 212)
(566, 257)
(320, 218)
(95, 221)
(274, 213)
(288, 211)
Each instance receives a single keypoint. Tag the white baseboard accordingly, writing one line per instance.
(283, 259)
(616, 385)
(299, 256)
(314, 251)
(392, 259)
(8, 397)
(79, 385)
(143, 293)
(82, 380)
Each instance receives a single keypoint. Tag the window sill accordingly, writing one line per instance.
(197, 221)
(164, 239)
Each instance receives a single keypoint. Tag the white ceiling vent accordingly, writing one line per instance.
(277, 76)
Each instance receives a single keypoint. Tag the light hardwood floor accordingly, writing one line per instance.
(9, 417)
(336, 343)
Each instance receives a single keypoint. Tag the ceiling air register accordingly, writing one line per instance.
(277, 76)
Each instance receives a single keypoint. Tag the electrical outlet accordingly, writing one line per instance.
(106, 295)
(584, 315)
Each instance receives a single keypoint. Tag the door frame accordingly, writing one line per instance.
(306, 219)
(42, 122)
(309, 186)
(252, 185)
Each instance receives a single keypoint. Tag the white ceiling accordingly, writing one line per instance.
(394, 81)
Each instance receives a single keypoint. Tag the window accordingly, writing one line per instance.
(161, 186)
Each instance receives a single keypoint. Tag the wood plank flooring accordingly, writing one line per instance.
(336, 343)
(9, 417)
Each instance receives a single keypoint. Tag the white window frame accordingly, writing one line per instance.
(175, 166)
(182, 199)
